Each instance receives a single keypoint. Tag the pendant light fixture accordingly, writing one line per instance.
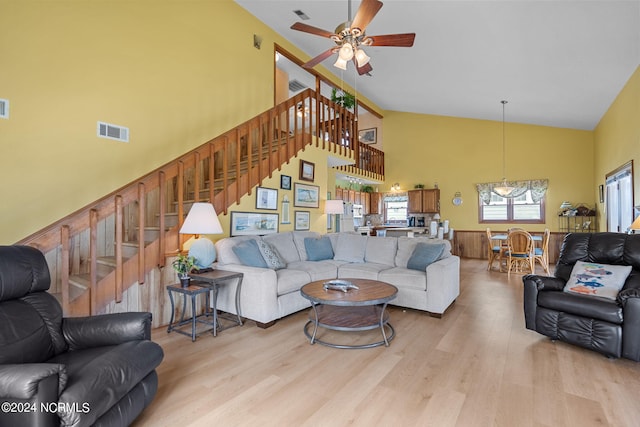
(503, 189)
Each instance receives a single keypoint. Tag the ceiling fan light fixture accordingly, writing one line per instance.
(340, 63)
(362, 57)
(346, 52)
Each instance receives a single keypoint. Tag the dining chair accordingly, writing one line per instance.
(494, 251)
(541, 254)
(519, 254)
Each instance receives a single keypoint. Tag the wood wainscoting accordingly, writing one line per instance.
(473, 243)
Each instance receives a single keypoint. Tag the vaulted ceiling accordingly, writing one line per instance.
(558, 63)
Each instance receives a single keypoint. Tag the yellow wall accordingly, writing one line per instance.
(318, 219)
(617, 138)
(459, 153)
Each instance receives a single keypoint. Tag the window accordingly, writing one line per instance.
(620, 198)
(521, 209)
(395, 209)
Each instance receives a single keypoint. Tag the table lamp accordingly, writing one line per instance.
(635, 226)
(202, 219)
(335, 207)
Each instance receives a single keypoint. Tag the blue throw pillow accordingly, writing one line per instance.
(249, 254)
(424, 254)
(318, 249)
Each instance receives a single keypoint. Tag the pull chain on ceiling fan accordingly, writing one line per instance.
(350, 36)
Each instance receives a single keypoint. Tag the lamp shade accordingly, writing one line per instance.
(202, 219)
(334, 207)
(636, 224)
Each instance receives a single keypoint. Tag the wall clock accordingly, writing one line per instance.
(457, 200)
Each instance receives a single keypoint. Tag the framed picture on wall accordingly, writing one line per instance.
(368, 136)
(267, 198)
(285, 182)
(306, 196)
(302, 220)
(307, 170)
(253, 223)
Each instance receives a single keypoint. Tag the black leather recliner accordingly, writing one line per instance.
(606, 326)
(81, 371)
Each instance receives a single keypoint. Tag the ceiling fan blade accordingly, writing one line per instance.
(365, 69)
(299, 26)
(366, 12)
(398, 40)
(318, 59)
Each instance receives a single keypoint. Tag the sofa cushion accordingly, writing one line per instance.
(318, 249)
(249, 254)
(290, 280)
(595, 279)
(224, 249)
(317, 270)
(404, 278)
(381, 250)
(423, 255)
(350, 247)
(368, 270)
(283, 242)
(270, 255)
(298, 239)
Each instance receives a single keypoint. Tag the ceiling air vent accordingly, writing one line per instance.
(4, 108)
(301, 15)
(109, 131)
(296, 86)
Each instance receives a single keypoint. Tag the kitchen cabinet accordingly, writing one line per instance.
(351, 197)
(424, 201)
(365, 201)
(375, 204)
(339, 194)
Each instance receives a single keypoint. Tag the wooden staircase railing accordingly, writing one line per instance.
(99, 251)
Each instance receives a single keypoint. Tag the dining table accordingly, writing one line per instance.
(502, 237)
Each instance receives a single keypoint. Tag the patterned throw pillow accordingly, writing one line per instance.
(270, 255)
(600, 280)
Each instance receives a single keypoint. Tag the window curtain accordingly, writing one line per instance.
(538, 189)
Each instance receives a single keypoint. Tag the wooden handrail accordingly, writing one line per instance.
(230, 165)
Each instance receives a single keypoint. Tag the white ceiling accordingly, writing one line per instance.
(558, 63)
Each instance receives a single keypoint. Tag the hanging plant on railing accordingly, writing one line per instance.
(343, 98)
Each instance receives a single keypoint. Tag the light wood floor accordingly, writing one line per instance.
(477, 366)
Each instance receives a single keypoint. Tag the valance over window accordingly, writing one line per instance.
(538, 189)
(395, 197)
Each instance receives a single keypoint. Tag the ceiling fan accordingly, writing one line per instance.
(350, 36)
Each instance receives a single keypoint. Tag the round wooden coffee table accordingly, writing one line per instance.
(355, 310)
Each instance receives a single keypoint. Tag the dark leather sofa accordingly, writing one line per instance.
(606, 326)
(97, 370)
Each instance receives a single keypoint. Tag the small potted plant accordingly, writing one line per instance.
(183, 265)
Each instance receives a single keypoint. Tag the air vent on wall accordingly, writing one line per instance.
(296, 86)
(109, 131)
(4, 108)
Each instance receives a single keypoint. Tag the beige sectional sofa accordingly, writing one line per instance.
(268, 294)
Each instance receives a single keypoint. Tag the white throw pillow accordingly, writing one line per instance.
(350, 247)
(595, 279)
